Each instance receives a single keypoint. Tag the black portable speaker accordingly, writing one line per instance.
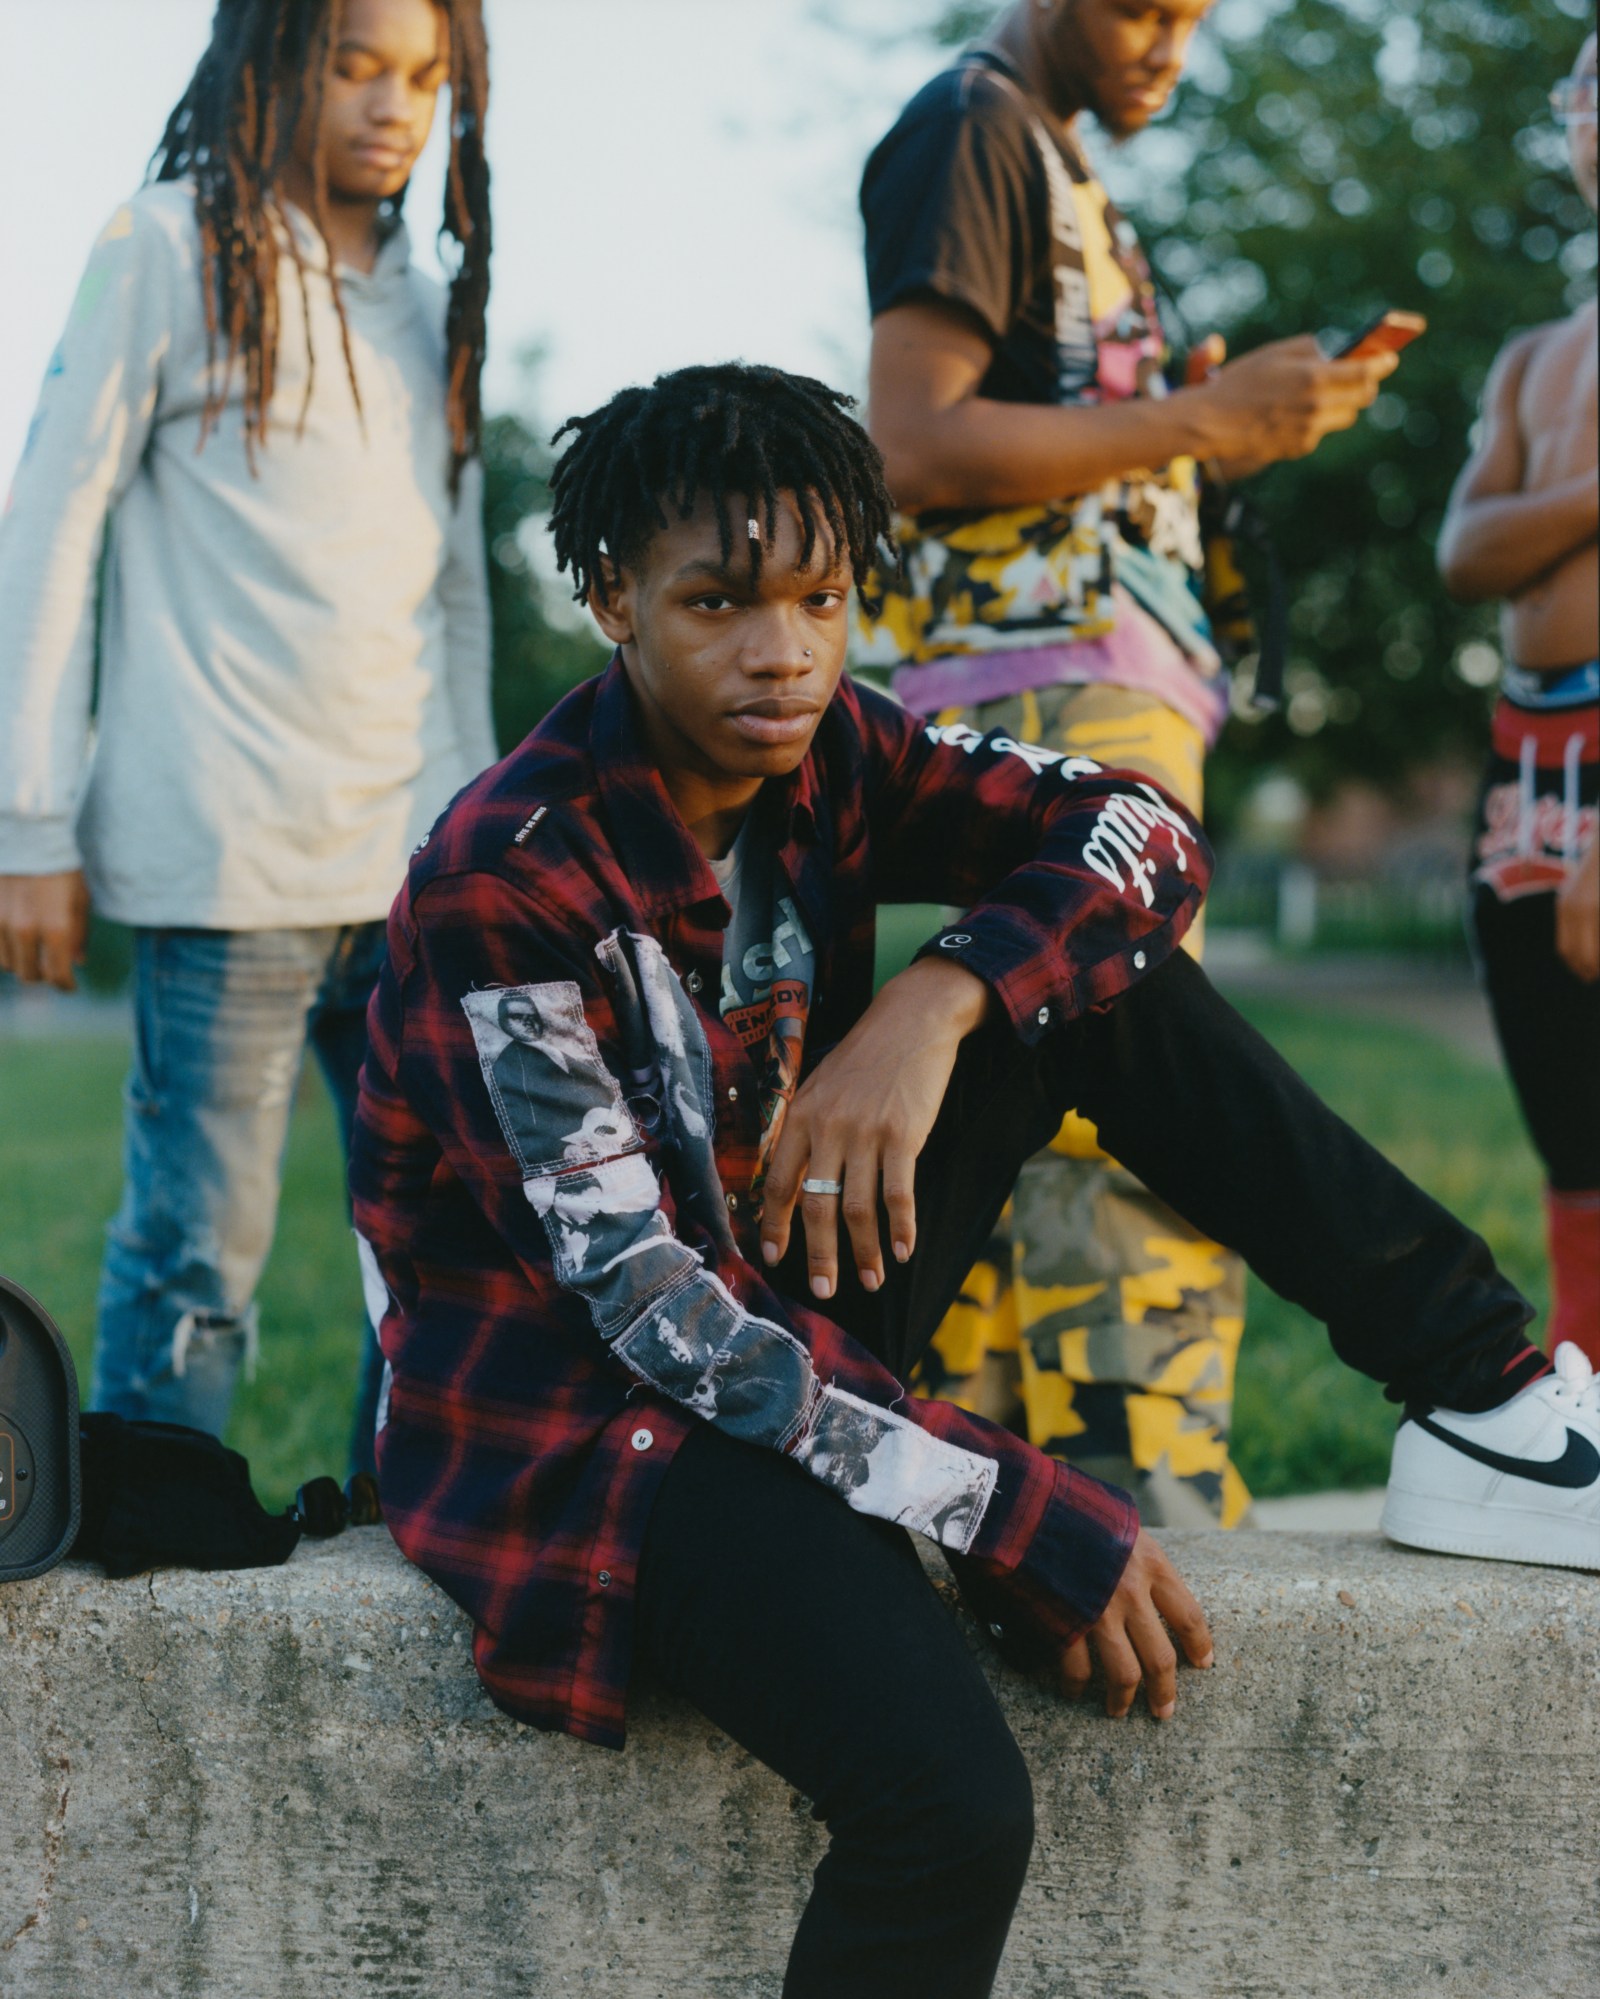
(39, 1491)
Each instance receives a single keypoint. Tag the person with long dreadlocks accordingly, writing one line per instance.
(626, 1024)
(264, 419)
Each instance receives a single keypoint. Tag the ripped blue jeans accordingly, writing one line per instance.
(222, 1020)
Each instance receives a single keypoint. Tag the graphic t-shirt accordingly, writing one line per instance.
(768, 971)
(977, 198)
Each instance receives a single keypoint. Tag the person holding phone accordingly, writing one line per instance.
(1049, 485)
(1522, 526)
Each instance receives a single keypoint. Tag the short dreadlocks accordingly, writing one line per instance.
(731, 431)
(232, 133)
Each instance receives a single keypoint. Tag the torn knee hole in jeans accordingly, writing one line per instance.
(197, 1330)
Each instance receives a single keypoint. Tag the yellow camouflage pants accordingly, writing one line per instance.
(1098, 1323)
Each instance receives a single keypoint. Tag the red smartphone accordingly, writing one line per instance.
(1386, 335)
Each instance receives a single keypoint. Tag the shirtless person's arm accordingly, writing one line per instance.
(1497, 539)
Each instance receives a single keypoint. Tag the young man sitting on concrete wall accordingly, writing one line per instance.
(627, 1026)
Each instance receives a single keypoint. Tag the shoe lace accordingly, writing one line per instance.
(1575, 1382)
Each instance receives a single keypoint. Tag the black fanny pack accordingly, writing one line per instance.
(130, 1495)
(39, 1495)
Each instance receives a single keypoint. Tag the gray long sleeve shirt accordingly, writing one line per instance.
(293, 659)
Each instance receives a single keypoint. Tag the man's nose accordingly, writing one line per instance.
(777, 647)
(387, 102)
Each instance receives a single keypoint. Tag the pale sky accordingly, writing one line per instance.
(674, 180)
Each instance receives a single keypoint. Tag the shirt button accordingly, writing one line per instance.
(1138, 961)
(733, 1093)
(1044, 1016)
(733, 1204)
(693, 983)
(604, 1579)
(643, 1439)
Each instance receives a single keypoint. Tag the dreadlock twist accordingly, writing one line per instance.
(232, 133)
(731, 431)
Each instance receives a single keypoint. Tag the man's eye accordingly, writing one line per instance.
(712, 600)
(825, 600)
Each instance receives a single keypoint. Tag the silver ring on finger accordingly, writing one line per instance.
(822, 1186)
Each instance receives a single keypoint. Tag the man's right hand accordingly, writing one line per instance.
(1280, 401)
(44, 927)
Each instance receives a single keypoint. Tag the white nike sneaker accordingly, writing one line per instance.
(1520, 1483)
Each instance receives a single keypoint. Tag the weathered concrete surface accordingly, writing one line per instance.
(286, 1784)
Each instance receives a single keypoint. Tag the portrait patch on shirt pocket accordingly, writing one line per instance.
(557, 1103)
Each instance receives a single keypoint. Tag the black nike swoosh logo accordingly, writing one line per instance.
(1577, 1466)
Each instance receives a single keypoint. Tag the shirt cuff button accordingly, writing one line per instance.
(1138, 961)
(1044, 1016)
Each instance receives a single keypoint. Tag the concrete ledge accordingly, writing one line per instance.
(286, 1784)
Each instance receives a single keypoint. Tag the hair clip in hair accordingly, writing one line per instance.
(754, 527)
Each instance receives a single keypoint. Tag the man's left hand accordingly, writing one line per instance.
(1133, 1636)
(862, 1119)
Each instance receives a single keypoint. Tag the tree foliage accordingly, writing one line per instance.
(538, 654)
(1323, 162)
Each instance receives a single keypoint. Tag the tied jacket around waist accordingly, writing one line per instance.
(557, 1140)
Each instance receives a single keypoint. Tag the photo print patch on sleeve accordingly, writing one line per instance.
(882, 1463)
(557, 1103)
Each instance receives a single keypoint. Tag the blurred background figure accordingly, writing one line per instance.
(1052, 586)
(1522, 527)
(264, 421)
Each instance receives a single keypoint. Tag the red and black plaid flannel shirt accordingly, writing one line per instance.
(557, 1134)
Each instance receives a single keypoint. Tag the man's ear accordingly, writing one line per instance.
(613, 612)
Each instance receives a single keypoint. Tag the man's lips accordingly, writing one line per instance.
(776, 721)
(1147, 97)
(382, 156)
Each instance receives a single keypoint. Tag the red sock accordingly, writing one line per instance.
(1573, 1230)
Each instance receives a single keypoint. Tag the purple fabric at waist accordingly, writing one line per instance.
(1136, 653)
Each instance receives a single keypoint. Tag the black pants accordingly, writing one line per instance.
(1548, 1023)
(809, 1633)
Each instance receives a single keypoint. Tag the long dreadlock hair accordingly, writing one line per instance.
(731, 431)
(232, 132)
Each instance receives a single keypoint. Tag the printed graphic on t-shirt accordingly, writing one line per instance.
(768, 971)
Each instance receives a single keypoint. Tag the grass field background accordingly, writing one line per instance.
(1304, 1423)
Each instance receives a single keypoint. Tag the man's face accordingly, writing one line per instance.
(391, 58)
(732, 668)
(520, 1019)
(1121, 59)
(1581, 130)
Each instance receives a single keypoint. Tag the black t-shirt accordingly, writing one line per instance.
(978, 198)
(957, 208)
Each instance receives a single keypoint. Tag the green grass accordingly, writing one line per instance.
(60, 1116)
(1304, 1423)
